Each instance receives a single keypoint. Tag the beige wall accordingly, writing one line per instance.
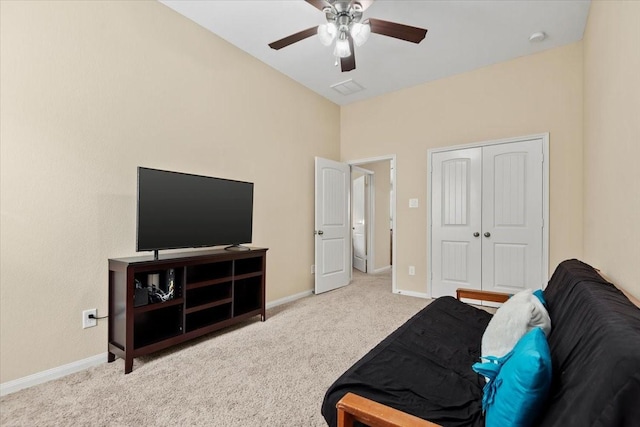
(612, 141)
(90, 90)
(533, 94)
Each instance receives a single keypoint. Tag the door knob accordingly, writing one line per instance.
(476, 234)
(487, 234)
(320, 232)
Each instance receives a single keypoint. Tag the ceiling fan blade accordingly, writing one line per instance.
(279, 44)
(398, 31)
(349, 63)
(318, 4)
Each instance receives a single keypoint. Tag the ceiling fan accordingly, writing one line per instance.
(346, 27)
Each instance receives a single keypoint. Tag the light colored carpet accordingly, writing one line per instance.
(272, 373)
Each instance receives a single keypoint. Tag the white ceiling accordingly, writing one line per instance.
(462, 36)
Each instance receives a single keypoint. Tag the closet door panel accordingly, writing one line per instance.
(512, 213)
(456, 187)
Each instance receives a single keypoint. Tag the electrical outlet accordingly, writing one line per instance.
(87, 322)
(313, 269)
(412, 270)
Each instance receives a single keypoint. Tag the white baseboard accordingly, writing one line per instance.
(412, 294)
(51, 374)
(382, 269)
(290, 298)
(70, 368)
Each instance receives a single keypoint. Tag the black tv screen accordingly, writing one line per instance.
(179, 210)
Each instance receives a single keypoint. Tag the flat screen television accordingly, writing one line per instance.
(179, 210)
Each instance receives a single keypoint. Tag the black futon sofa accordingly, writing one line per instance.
(424, 367)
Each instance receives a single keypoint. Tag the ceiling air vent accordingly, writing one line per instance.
(347, 87)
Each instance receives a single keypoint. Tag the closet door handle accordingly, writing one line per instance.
(476, 234)
(487, 234)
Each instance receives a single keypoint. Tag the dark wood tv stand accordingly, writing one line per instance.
(212, 289)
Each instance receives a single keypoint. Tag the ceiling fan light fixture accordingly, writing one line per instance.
(342, 49)
(327, 33)
(346, 29)
(360, 32)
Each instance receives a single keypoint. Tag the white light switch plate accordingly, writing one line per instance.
(413, 203)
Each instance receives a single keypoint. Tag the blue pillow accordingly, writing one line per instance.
(518, 382)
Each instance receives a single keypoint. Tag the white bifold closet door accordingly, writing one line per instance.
(487, 218)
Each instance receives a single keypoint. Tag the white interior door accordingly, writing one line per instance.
(332, 225)
(456, 221)
(512, 216)
(359, 223)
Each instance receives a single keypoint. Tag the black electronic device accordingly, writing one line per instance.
(179, 210)
(141, 295)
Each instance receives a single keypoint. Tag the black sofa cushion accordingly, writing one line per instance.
(423, 368)
(595, 350)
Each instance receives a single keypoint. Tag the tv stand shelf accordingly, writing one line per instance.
(212, 289)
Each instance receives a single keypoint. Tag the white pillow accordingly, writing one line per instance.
(521, 313)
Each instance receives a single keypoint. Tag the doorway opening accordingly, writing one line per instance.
(373, 203)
